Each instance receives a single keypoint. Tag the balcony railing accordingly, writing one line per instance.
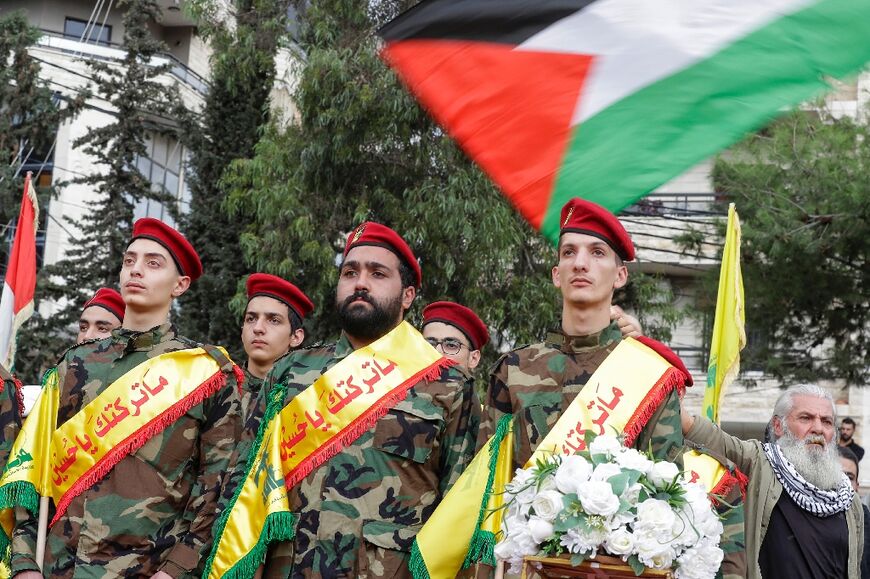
(114, 52)
(662, 204)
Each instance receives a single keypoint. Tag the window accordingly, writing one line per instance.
(162, 166)
(97, 32)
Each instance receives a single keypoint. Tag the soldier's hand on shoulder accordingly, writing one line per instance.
(628, 325)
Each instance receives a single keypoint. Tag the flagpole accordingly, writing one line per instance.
(499, 570)
(42, 531)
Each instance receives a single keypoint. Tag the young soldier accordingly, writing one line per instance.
(455, 331)
(149, 421)
(538, 382)
(101, 314)
(366, 491)
(272, 327)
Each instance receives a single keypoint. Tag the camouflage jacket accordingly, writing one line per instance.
(537, 383)
(155, 509)
(359, 512)
(250, 391)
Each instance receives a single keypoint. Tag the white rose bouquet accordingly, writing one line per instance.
(613, 500)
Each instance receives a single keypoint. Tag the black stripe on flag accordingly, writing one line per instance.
(502, 21)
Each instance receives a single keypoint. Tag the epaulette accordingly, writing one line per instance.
(504, 356)
(669, 355)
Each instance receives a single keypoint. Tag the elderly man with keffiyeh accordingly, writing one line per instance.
(815, 528)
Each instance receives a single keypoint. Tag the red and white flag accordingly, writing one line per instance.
(19, 285)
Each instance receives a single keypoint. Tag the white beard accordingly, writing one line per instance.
(820, 467)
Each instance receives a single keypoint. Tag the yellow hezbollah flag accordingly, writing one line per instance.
(480, 489)
(729, 334)
(25, 479)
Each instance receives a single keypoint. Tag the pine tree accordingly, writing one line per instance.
(141, 107)
(243, 72)
(801, 189)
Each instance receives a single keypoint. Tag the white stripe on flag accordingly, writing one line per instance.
(7, 323)
(638, 42)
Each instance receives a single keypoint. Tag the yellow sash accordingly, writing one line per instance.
(621, 395)
(65, 461)
(316, 425)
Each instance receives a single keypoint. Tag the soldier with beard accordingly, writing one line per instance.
(359, 511)
(802, 519)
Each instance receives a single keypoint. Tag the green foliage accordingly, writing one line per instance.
(243, 72)
(142, 106)
(363, 149)
(801, 191)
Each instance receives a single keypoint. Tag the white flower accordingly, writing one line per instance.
(605, 470)
(632, 459)
(700, 561)
(597, 498)
(507, 550)
(663, 473)
(573, 472)
(653, 551)
(619, 542)
(605, 444)
(548, 504)
(656, 516)
(578, 541)
(632, 494)
(540, 529)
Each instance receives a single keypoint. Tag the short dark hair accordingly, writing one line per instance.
(848, 420)
(406, 274)
(847, 453)
(295, 320)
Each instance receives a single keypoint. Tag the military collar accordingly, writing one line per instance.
(134, 341)
(577, 344)
(343, 347)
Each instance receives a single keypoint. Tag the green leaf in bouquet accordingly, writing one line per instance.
(578, 558)
(565, 522)
(622, 482)
(552, 547)
(636, 565)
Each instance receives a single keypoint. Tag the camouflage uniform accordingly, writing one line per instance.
(359, 513)
(537, 383)
(250, 391)
(155, 509)
(11, 409)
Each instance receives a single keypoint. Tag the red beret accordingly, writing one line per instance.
(669, 355)
(371, 233)
(581, 216)
(462, 318)
(182, 252)
(264, 284)
(109, 299)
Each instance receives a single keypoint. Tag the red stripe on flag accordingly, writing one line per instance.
(21, 273)
(509, 109)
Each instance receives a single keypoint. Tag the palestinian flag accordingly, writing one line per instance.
(608, 99)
